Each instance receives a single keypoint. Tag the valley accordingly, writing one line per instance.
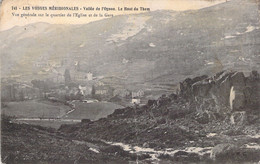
(158, 87)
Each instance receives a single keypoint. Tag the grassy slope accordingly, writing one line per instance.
(34, 144)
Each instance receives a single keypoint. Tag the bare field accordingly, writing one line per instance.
(92, 111)
(35, 109)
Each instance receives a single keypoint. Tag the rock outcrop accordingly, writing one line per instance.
(226, 92)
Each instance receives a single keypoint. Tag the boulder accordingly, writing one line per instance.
(238, 86)
(186, 86)
(237, 99)
(221, 89)
(151, 102)
(254, 75)
(201, 88)
(252, 91)
(238, 79)
(230, 90)
(202, 118)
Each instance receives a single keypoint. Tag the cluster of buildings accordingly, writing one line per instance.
(93, 89)
(136, 96)
(19, 92)
(82, 76)
(81, 84)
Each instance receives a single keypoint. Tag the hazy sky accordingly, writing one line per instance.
(7, 20)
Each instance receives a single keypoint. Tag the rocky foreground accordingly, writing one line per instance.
(210, 120)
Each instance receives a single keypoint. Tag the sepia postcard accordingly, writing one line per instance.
(130, 81)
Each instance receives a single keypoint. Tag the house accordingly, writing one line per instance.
(104, 90)
(73, 91)
(81, 76)
(99, 83)
(136, 100)
(139, 93)
(101, 90)
(41, 62)
(54, 64)
(136, 96)
(125, 61)
(85, 90)
(89, 76)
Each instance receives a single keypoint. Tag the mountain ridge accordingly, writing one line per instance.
(181, 44)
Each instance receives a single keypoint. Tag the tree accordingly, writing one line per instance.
(93, 91)
(67, 76)
(21, 95)
(44, 86)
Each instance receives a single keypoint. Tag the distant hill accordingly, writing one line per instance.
(160, 47)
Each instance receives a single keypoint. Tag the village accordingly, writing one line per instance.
(65, 82)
